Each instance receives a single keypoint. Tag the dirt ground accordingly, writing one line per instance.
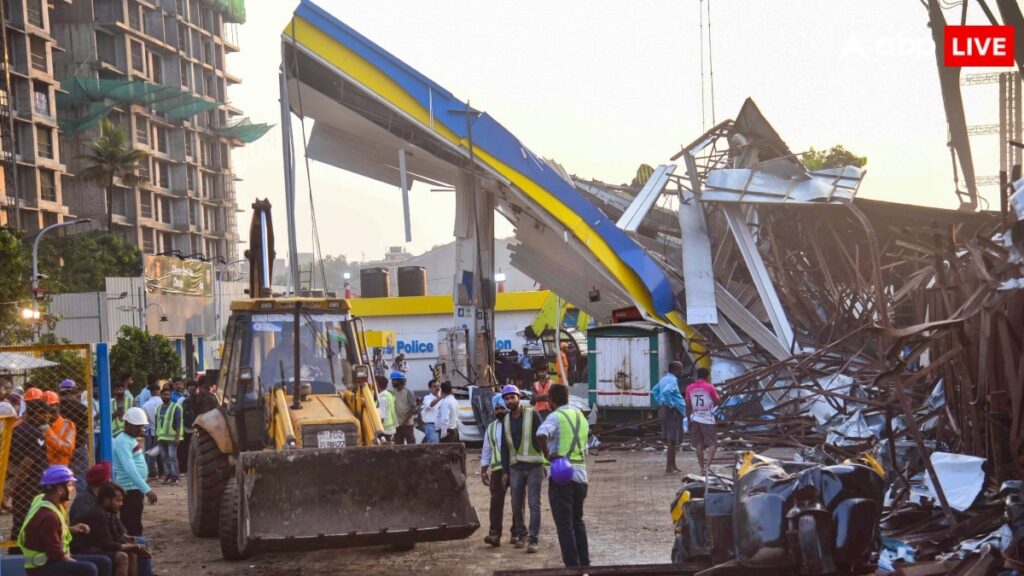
(626, 511)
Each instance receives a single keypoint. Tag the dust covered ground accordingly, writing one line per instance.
(627, 516)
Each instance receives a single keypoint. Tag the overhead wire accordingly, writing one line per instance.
(711, 67)
(703, 116)
(318, 254)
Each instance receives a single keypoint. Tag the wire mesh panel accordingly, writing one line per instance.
(46, 417)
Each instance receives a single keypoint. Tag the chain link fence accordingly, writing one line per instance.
(35, 432)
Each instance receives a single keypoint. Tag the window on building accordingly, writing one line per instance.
(208, 187)
(146, 204)
(148, 245)
(160, 138)
(138, 52)
(48, 185)
(105, 47)
(44, 140)
(192, 208)
(142, 130)
(163, 174)
(41, 98)
(185, 69)
(157, 68)
(189, 144)
(135, 15)
(35, 12)
(49, 218)
(120, 197)
(144, 172)
(167, 239)
(190, 177)
(165, 210)
(39, 60)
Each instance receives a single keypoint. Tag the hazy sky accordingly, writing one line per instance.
(602, 86)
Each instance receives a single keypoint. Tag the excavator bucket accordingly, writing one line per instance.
(358, 496)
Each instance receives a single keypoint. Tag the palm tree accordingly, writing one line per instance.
(111, 156)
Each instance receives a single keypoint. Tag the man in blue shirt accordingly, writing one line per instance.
(672, 411)
(130, 470)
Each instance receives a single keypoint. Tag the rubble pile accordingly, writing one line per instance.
(840, 325)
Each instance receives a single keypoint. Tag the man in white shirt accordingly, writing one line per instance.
(428, 413)
(155, 464)
(448, 415)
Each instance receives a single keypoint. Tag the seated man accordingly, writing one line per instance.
(45, 536)
(104, 537)
(282, 357)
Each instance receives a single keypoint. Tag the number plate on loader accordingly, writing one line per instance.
(330, 439)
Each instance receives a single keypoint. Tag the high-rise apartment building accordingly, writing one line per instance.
(157, 69)
(31, 195)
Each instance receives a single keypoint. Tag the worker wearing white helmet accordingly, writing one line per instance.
(130, 470)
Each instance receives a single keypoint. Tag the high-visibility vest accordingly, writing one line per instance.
(492, 439)
(34, 558)
(165, 430)
(388, 420)
(540, 388)
(526, 452)
(60, 441)
(573, 431)
(118, 423)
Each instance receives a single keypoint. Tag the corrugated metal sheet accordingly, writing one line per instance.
(623, 372)
(83, 317)
(127, 310)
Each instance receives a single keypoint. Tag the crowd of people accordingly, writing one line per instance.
(68, 518)
(524, 446)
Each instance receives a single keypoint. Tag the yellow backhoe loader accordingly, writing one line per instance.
(295, 457)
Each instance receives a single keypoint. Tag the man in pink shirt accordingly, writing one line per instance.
(701, 401)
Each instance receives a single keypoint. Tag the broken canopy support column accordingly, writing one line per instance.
(645, 199)
(404, 179)
(698, 268)
(759, 273)
(474, 270)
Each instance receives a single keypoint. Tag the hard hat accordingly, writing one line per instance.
(496, 401)
(57, 474)
(397, 375)
(510, 389)
(51, 398)
(561, 470)
(68, 384)
(33, 394)
(136, 416)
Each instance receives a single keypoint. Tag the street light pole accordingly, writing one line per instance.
(35, 260)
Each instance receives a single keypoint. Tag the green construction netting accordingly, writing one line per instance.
(103, 94)
(233, 10)
(243, 129)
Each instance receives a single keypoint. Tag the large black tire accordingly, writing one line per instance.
(233, 544)
(814, 556)
(209, 472)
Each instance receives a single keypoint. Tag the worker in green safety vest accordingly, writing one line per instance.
(386, 408)
(121, 401)
(45, 536)
(490, 470)
(169, 433)
(564, 434)
(523, 462)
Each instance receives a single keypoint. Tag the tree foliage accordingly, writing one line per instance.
(137, 353)
(15, 269)
(111, 156)
(82, 262)
(835, 157)
(70, 364)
